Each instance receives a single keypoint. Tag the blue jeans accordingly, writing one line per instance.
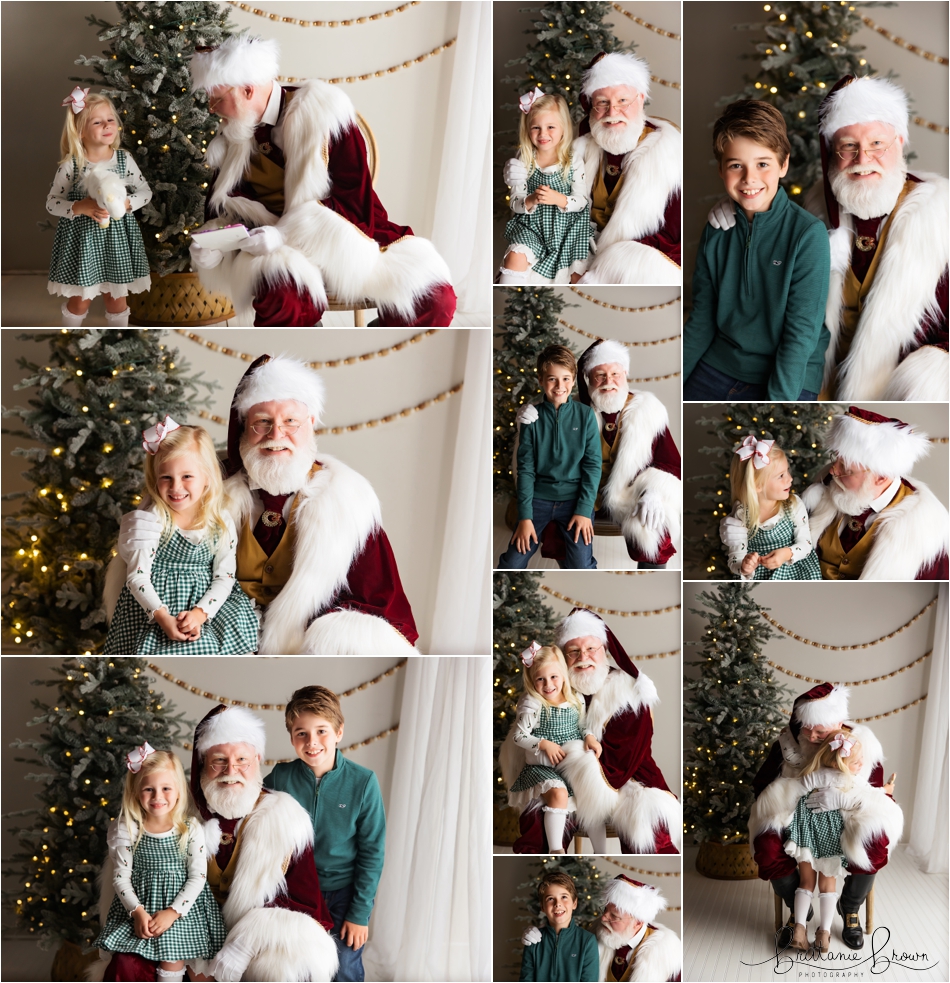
(707, 384)
(579, 556)
(351, 960)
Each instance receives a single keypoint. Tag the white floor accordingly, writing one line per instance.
(728, 930)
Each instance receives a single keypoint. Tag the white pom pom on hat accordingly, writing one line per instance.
(606, 352)
(280, 378)
(235, 725)
(242, 59)
(580, 624)
(642, 901)
(617, 68)
(865, 100)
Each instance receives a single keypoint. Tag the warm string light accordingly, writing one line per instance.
(323, 23)
(370, 75)
(852, 682)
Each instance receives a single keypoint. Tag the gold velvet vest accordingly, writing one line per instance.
(608, 453)
(601, 204)
(626, 974)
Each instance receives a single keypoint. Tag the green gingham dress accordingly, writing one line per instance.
(159, 873)
(556, 238)
(816, 837)
(782, 534)
(557, 724)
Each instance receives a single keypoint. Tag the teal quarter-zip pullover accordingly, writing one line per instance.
(759, 292)
(570, 954)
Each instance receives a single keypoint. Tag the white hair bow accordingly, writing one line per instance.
(136, 758)
(758, 450)
(842, 742)
(76, 99)
(152, 438)
(527, 656)
(526, 101)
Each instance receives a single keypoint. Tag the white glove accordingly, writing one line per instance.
(531, 936)
(262, 241)
(733, 533)
(527, 414)
(138, 530)
(827, 799)
(231, 961)
(204, 259)
(723, 214)
(515, 172)
(651, 511)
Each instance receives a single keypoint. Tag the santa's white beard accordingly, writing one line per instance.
(853, 502)
(278, 475)
(239, 131)
(234, 800)
(589, 682)
(608, 402)
(869, 198)
(612, 940)
(616, 139)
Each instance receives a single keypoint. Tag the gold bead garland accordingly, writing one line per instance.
(629, 344)
(350, 747)
(906, 45)
(630, 573)
(852, 682)
(936, 127)
(648, 26)
(641, 870)
(848, 648)
(350, 428)
(940, 440)
(375, 75)
(656, 378)
(323, 23)
(877, 716)
(669, 85)
(610, 611)
(626, 310)
(657, 655)
(330, 364)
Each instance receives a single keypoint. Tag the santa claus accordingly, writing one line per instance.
(873, 822)
(624, 785)
(631, 947)
(640, 487)
(290, 164)
(633, 166)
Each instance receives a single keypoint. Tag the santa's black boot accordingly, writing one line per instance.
(856, 888)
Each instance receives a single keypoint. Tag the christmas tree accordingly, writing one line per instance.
(103, 709)
(810, 47)
(528, 326)
(734, 709)
(97, 392)
(166, 125)
(798, 428)
(520, 617)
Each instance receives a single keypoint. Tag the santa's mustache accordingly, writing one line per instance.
(863, 168)
(612, 119)
(608, 388)
(275, 445)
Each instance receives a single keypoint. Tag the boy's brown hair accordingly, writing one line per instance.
(756, 120)
(318, 700)
(557, 877)
(557, 355)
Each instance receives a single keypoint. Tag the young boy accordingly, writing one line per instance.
(757, 328)
(559, 464)
(566, 951)
(346, 809)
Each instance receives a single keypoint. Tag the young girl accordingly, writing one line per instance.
(87, 259)
(766, 536)
(549, 235)
(549, 716)
(814, 838)
(180, 595)
(163, 908)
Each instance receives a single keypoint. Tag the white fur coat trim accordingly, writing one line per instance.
(334, 514)
(630, 262)
(354, 633)
(658, 959)
(921, 376)
(915, 257)
(620, 693)
(642, 812)
(907, 537)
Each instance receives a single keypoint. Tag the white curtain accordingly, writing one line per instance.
(461, 624)
(928, 832)
(432, 919)
(462, 227)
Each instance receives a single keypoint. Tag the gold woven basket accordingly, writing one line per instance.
(178, 298)
(726, 861)
(506, 825)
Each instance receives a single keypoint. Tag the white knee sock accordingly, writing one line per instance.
(512, 278)
(177, 975)
(119, 320)
(802, 901)
(597, 834)
(70, 320)
(554, 820)
(826, 909)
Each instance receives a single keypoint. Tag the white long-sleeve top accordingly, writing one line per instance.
(737, 546)
(58, 203)
(576, 200)
(119, 840)
(223, 570)
(529, 708)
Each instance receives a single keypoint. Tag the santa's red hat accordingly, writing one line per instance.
(604, 351)
(884, 445)
(239, 60)
(824, 705)
(581, 623)
(617, 68)
(642, 901)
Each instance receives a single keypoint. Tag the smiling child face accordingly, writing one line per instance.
(558, 906)
(315, 739)
(158, 794)
(751, 173)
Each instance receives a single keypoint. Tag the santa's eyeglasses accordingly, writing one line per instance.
(587, 651)
(266, 429)
(835, 473)
(602, 105)
(849, 152)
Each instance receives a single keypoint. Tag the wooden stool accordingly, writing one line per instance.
(580, 834)
(868, 912)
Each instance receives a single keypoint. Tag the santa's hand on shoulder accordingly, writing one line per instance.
(532, 936)
(527, 414)
(651, 512)
(515, 172)
(204, 259)
(733, 532)
(262, 241)
(231, 961)
(828, 799)
(723, 214)
(138, 530)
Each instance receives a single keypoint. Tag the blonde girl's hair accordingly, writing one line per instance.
(547, 104)
(70, 143)
(544, 656)
(131, 812)
(210, 514)
(825, 757)
(745, 483)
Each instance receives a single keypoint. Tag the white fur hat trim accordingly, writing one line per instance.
(618, 68)
(581, 624)
(829, 710)
(643, 903)
(890, 449)
(607, 353)
(236, 725)
(281, 378)
(240, 60)
(866, 100)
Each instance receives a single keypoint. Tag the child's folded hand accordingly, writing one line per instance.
(169, 625)
(140, 921)
(592, 744)
(749, 564)
(775, 559)
(554, 751)
(162, 921)
(190, 622)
